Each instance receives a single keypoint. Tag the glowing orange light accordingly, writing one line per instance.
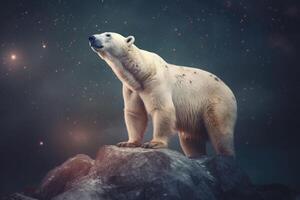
(13, 56)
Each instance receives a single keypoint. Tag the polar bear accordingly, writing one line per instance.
(192, 102)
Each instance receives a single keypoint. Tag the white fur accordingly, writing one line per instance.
(190, 101)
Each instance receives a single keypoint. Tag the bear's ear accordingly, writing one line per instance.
(130, 40)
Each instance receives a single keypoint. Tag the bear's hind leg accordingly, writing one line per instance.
(192, 145)
(219, 122)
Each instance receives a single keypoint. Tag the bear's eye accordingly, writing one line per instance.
(108, 35)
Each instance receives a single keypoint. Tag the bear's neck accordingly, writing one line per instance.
(132, 69)
(135, 63)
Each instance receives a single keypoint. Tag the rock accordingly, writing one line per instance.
(61, 178)
(136, 173)
(18, 196)
(146, 174)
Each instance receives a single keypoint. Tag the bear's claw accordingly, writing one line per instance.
(128, 144)
(154, 145)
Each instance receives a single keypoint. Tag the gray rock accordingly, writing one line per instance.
(147, 174)
(61, 178)
(136, 173)
(17, 196)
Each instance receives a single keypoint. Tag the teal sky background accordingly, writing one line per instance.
(59, 99)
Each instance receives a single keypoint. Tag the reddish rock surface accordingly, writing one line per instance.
(61, 178)
(148, 174)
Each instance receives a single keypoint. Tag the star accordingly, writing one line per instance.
(41, 143)
(13, 57)
(44, 46)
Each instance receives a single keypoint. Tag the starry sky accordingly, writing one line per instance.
(59, 99)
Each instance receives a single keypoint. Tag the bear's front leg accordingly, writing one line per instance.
(163, 126)
(135, 118)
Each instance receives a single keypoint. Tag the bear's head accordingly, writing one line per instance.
(109, 44)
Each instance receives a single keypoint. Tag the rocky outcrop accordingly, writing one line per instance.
(61, 178)
(138, 174)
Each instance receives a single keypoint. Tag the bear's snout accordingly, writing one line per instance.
(95, 43)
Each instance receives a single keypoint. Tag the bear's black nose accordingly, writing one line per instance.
(92, 38)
